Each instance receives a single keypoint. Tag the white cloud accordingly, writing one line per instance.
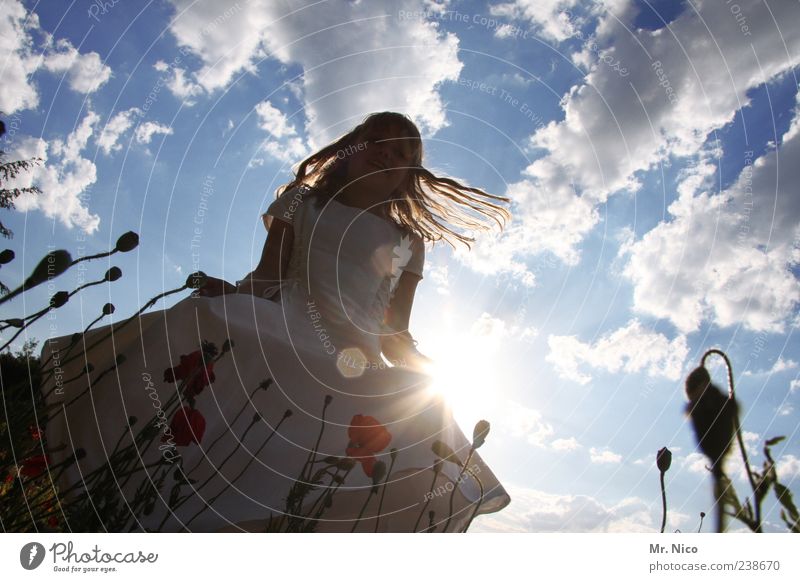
(289, 151)
(696, 463)
(113, 130)
(616, 125)
(630, 349)
(604, 456)
(726, 256)
(145, 131)
(273, 120)
(569, 444)
(527, 423)
(788, 468)
(794, 385)
(283, 143)
(340, 85)
(782, 365)
(64, 177)
(183, 87)
(550, 18)
(86, 72)
(21, 58)
(496, 253)
(439, 274)
(785, 409)
(532, 510)
(497, 330)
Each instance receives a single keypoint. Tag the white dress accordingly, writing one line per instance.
(310, 340)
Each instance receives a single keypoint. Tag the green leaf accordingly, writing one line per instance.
(763, 483)
(774, 441)
(785, 497)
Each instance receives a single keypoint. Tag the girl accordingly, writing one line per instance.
(281, 413)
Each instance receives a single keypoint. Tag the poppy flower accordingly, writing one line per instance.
(367, 437)
(34, 466)
(187, 426)
(192, 370)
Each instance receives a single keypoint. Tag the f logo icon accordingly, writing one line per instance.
(31, 555)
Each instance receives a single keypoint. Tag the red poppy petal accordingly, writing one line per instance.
(368, 463)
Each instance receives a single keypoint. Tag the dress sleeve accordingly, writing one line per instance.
(285, 206)
(417, 261)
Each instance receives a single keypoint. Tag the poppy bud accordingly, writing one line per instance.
(16, 322)
(113, 274)
(120, 359)
(108, 309)
(378, 472)
(479, 433)
(257, 417)
(328, 399)
(59, 299)
(89, 368)
(288, 413)
(226, 346)
(713, 417)
(443, 451)
(52, 265)
(132, 420)
(345, 463)
(663, 459)
(6, 256)
(127, 242)
(697, 382)
(265, 384)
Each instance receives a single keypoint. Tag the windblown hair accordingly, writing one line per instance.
(436, 208)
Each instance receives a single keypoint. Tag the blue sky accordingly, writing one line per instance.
(650, 151)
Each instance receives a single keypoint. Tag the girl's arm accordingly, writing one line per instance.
(274, 260)
(399, 348)
(271, 267)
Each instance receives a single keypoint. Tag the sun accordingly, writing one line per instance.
(466, 375)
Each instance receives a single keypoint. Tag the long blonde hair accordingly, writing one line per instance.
(436, 208)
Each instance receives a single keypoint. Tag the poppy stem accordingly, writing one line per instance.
(428, 500)
(477, 505)
(383, 491)
(371, 492)
(232, 481)
(663, 502)
(455, 486)
(223, 433)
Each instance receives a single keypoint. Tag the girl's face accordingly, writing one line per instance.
(379, 161)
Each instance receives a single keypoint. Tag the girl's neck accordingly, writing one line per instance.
(352, 196)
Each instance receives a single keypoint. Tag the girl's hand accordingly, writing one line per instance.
(215, 287)
(400, 350)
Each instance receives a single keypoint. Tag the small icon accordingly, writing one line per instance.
(401, 254)
(31, 555)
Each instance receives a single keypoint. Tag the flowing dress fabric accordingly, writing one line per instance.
(314, 335)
